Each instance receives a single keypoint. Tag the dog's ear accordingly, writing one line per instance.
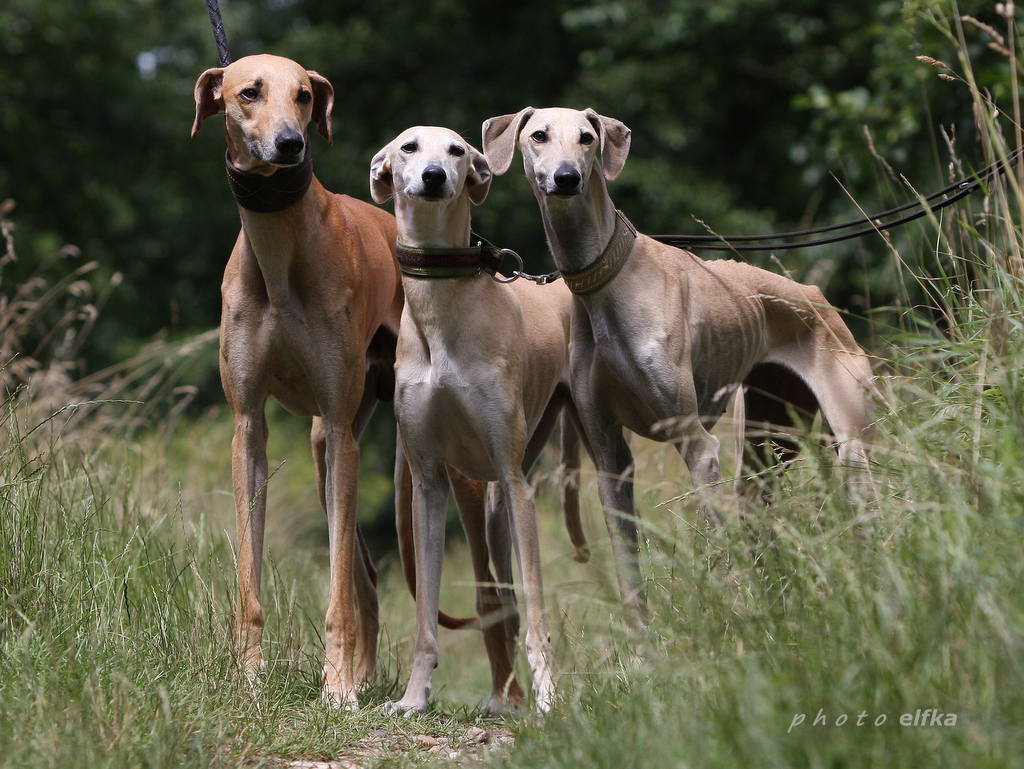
(500, 137)
(323, 103)
(615, 138)
(478, 181)
(382, 183)
(209, 96)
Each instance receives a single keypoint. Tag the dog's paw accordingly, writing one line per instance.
(496, 707)
(403, 708)
(341, 700)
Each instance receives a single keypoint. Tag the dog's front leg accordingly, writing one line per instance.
(700, 452)
(429, 504)
(364, 572)
(249, 478)
(615, 487)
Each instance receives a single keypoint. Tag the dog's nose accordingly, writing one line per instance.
(567, 179)
(289, 144)
(434, 177)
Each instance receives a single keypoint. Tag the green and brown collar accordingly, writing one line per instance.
(448, 262)
(607, 265)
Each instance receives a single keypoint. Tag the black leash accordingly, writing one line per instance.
(219, 36)
(959, 190)
(956, 191)
(499, 253)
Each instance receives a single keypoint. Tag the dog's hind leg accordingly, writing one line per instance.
(368, 611)
(492, 602)
(841, 383)
(561, 410)
(499, 544)
(364, 572)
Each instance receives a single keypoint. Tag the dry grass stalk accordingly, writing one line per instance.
(44, 325)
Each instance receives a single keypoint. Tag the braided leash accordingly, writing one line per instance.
(956, 191)
(219, 36)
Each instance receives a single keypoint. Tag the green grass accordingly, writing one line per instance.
(116, 578)
(115, 615)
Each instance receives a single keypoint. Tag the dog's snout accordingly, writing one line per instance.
(567, 179)
(434, 177)
(289, 144)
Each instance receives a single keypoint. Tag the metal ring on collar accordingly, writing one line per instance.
(515, 273)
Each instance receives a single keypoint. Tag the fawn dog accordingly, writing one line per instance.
(660, 338)
(481, 379)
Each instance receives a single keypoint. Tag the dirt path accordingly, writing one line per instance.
(468, 748)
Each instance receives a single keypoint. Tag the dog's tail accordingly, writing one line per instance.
(406, 551)
(570, 485)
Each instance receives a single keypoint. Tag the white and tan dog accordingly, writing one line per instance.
(661, 338)
(481, 377)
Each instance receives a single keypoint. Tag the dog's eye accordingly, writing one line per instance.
(539, 136)
(409, 147)
(250, 94)
(456, 150)
(586, 138)
(304, 97)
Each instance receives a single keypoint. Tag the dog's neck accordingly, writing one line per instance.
(579, 228)
(278, 237)
(270, 193)
(430, 224)
(436, 306)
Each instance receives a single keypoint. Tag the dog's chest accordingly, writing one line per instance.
(665, 370)
(298, 357)
(452, 403)
(449, 420)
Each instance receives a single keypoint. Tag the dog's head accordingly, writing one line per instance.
(268, 101)
(427, 163)
(560, 147)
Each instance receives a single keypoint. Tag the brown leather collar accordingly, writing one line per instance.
(447, 262)
(268, 194)
(608, 264)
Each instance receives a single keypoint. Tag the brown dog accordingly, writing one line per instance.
(311, 305)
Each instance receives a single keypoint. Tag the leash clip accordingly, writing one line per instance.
(542, 280)
(516, 274)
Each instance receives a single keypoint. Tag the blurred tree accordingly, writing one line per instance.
(741, 110)
(95, 151)
(762, 115)
(746, 115)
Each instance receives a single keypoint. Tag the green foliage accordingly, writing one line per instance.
(741, 113)
(94, 153)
